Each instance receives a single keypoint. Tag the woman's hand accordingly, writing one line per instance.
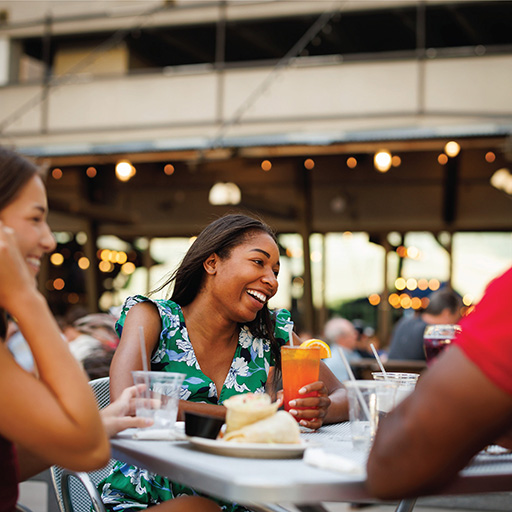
(14, 273)
(119, 415)
(311, 411)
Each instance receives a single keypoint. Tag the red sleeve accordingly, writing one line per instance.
(486, 336)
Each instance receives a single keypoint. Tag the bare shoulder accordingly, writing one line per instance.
(146, 307)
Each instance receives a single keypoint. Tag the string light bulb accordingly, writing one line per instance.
(382, 160)
(452, 149)
(125, 170)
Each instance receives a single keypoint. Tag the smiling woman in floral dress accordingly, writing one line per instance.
(218, 330)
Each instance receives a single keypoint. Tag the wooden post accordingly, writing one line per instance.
(384, 309)
(147, 262)
(321, 318)
(220, 57)
(305, 213)
(92, 277)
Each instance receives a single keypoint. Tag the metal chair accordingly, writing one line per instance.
(22, 508)
(76, 491)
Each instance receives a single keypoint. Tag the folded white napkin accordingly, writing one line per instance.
(173, 434)
(321, 459)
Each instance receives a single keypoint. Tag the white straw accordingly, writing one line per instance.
(381, 366)
(346, 363)
(290, 334)
(358, 391)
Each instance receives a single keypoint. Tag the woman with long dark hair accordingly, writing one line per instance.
(218, 330)
(54, 417)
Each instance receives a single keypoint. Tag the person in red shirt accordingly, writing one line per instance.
(461, 404)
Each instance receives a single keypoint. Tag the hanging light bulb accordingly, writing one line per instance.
(452, 148)
(125, 170)
(382, 160)
(224, 193)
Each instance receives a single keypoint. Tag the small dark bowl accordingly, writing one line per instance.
(202, 425)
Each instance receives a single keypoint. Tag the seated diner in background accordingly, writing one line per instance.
(218, 330)
(462, 403)
(407, 337)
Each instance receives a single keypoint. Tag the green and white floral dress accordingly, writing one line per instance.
(129, 488)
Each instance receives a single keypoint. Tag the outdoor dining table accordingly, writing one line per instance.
(272, 484)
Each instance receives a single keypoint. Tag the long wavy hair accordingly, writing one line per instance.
(15, 173)
(221, 237)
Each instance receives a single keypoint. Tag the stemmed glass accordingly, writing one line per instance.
(437, 337)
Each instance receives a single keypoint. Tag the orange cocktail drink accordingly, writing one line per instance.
(300, 366)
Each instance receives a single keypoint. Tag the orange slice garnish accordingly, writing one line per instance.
(325, 350)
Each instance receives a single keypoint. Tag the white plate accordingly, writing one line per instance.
(250, 450)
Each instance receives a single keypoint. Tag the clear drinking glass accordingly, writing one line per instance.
(369, 401)
(406, 382)
(158, 396)
(437, 337)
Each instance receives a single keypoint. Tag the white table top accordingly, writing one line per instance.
(249, 480)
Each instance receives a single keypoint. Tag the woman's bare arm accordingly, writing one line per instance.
(127, 357)
(453, 413)
(54, 416)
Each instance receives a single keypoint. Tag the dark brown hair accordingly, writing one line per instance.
(221, 237)
(15, 173)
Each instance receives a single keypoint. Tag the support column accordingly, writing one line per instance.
(4, 60)
(47, 41)
(305, 214)
(147, 261)
(321, 318)
(450, 203)
(92, 275)
(220, 51)
(384, 309)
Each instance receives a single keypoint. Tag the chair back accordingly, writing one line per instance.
(77, 491)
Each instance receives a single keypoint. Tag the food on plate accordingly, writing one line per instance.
(280, 428)
(325, 350)
(246, 409)
(252, 418)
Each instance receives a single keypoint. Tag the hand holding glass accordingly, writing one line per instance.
(158, 395)
(300, 366)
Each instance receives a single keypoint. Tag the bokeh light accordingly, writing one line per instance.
(266, 165)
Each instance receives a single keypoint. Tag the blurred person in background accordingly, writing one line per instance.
(101, 326)
(461, 404)
(92, 340)
(406, 343)
(18, 346)
(341, 334)
(81, 344)
(365, 337)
